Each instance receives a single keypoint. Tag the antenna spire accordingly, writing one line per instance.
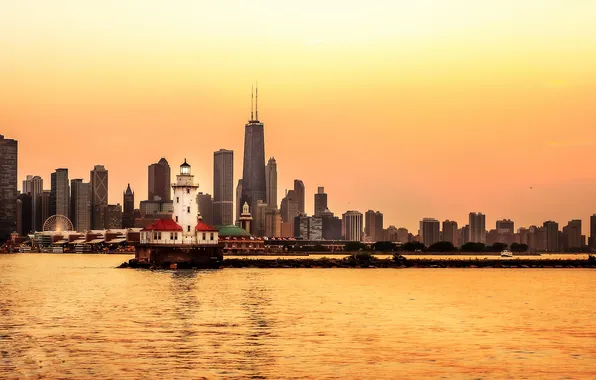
(252, 95)
(257, 101)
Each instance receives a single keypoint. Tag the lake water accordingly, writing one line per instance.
(76, 316)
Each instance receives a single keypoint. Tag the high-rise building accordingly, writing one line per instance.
(253, 169)
(44, 202)
(403, 235)
(271, 183)
(207, 208)
(80, 205)
(320, 201)
(289, 209)
(332, 225)
(450, 232)
(24, 225)
(374, 225)
(300, 193)
(464, 235)
(8, 187)
(259, 219)
(551, 230)
(477, 228)
(128, 215)
(272, 222)
(159, 181)
(60, 193)
(352, 225)
(505, 226)
(238, 201)
(593, 231)
(33, 185)
(223, 188)
(430, 231)
(99, 196)
(308, 227)
(572, 236)
(112, 216)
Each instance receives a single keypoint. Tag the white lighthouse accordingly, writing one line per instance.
(186, 209)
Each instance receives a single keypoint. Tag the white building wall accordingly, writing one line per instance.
(186, 208)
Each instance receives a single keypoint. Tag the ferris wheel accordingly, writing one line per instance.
(58, 223)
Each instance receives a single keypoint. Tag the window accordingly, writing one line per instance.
(212, 236)
(154, 235)
(188, 209)
(159, 236)
(188, 228)
(176, 219)
(187, 191)
(175, 235)
(171, 236)
(204, 236)
(177, 200)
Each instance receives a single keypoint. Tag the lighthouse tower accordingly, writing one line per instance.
(186, 209)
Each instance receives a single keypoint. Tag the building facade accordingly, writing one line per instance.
(24, 220)
(477, 227)
(450, 232)
(223, 188)
(551, 238)
(128, 214)
(289, 209)
(593, 231)
(207, 208)
(373, 225)
(430, 231)
(80, 205)
(271, 183)
(308, 227)
(159, 186)
(8, 187)
(352, 225)
(60, 193)
(99, 196)
(300, 194)
(320, 201)
(33, 185)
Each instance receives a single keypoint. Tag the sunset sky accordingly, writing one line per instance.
(427, 108)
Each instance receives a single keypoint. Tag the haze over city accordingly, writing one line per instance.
(434, 109)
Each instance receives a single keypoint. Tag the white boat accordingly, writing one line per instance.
(506, 253)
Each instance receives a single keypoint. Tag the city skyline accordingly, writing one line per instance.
(500, 88)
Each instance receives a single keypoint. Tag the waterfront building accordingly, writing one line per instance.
(206, 208)
(505, 226)
(80, 205)
(43, 207)
(320, 201)
(259, 219)
(246, 218)
(390, 234)
(273, 222)
(33, 185)
(99, 196)
(551, 238)
(159, 187)
(128, 214)
(572, 236)
(477, 227)
(299, 195)
(60, 193)
(430, 231)
(450, 232)
(113, 217)
(373, 228)
(24, 221)
(183, 239)
(522, 232)
(352, 226)
(332, 225)
(223, 188)
(238, 201)
(8, 187)
(148, 208)
(289, 209)
(253, 169)
(403, 235)
(271, 183)
(308, 227)
(464, 235)
(236, 240)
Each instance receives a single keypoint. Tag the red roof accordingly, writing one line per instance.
(163, 225)
(204, 227)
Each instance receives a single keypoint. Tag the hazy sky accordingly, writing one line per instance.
(427, 108)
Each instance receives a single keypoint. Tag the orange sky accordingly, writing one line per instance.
(431, 108)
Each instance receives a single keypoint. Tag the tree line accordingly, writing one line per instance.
(442, 246)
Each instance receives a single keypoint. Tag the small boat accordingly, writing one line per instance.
(506, 253)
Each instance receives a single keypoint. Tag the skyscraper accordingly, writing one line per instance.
(320, 201)
(477, 228)
(128, 215)
(80, 205)
(33, 185)
(272, 223)
(8, 187)
(430, 230)
(450, 232)
(551, 230)
(271, 182)
(299, 193)
(572, 235)
(289, 209)
(374, 225)
(238, 201)
(505, 226)
(159, 181)
(207, 209)
(99, 196)
(253, 170)
(23, 220)
(60, 193)
(223, 188)
(352, 225)
(44, 202)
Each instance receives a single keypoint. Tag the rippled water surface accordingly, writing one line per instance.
(75, 316)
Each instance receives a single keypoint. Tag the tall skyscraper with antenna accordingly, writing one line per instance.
(253, 168)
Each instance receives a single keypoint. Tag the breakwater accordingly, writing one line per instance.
(369, 261)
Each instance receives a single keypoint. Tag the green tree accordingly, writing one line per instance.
(517, 247)
(413, 246)
(472, 247)
(442, 246)
(384, 246)
(498, 247)
(354, 246)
